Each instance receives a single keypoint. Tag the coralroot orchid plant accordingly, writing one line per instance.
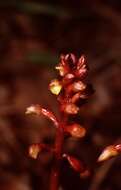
(71, 90)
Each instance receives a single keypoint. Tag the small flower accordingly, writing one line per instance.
(75, 87)
(81, 62)
(107, 153)
(62, 67)
(79, 86)
(76, 130)
(70, 108)
(34, 150)
(34, 109)
(55, 86)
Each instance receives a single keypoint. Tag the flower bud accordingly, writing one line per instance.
(107, 153)
(34, 150)
(75, 163)
(55, 87)
(81, 62)
(70, 108)
(81, 69)
(63, 66)
(70, 59)
(76, 130)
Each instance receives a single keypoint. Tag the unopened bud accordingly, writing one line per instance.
(82, 61)
(107, 153)
(55, 87)
(76, 130)
(81, 70)
(70, 58)
(34, 150)
(75, 163)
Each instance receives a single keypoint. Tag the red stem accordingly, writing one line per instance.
(54, 178)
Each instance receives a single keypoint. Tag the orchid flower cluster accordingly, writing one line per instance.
(72, 90)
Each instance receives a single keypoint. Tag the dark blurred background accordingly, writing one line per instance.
(32, 36)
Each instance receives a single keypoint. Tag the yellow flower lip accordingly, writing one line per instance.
(55, 86)
(34, 150)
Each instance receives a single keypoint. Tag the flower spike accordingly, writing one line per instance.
(71, 90)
